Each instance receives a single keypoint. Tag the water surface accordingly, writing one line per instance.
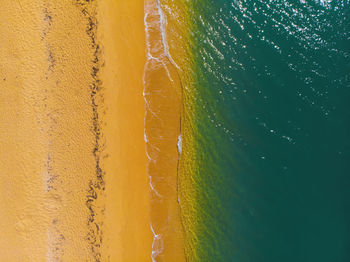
(271, 130)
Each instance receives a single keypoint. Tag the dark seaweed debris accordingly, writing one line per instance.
(96, 185)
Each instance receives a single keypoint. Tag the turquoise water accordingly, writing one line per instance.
(272, 90)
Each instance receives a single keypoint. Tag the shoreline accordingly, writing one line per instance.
(163, 98)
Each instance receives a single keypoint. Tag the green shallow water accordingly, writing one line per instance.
(271, 130)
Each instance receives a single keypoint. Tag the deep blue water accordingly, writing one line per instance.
(272, 92)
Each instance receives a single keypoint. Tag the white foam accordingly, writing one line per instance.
(163, 33)
(179, 144)
(153, 189)
(157, 244)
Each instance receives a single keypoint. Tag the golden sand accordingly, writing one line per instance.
(75, 178)
(45, 133)
(127, 232)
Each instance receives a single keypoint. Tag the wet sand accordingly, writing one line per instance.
(163, 98)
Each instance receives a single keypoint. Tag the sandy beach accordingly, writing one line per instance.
(127, 229)
(76, 181)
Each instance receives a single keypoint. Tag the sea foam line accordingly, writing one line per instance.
(159, 60)
(163, 33)
(157, 241)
